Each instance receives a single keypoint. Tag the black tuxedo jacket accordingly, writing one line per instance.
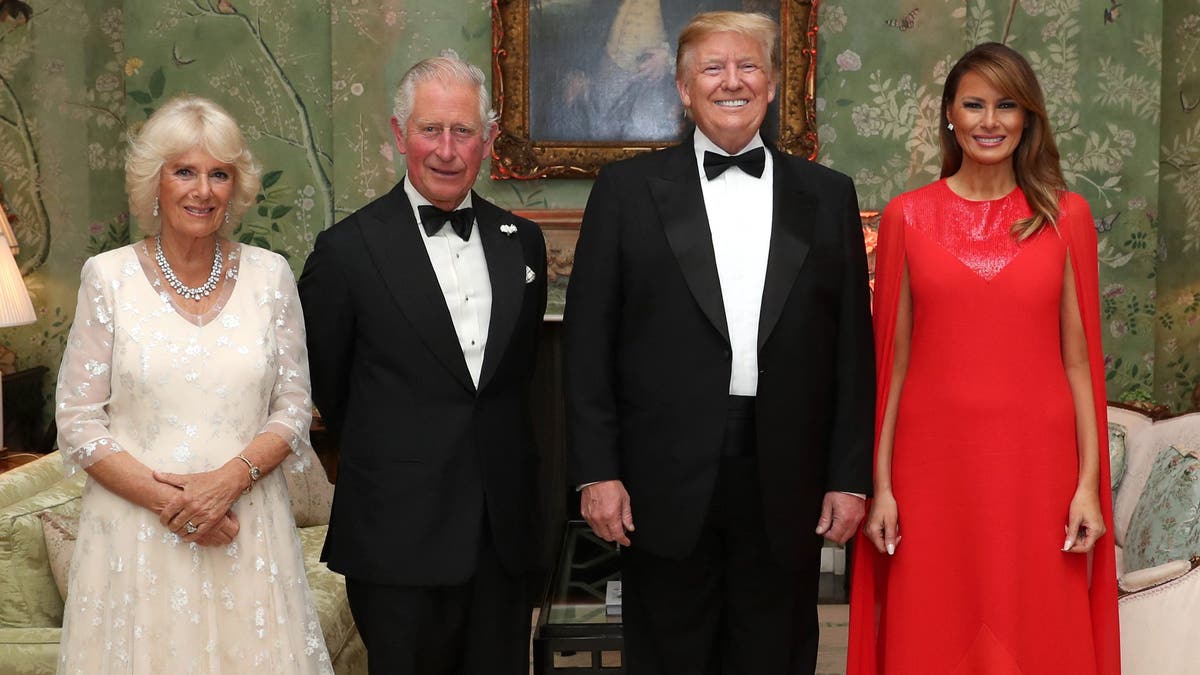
(648, 356)
(424, 454)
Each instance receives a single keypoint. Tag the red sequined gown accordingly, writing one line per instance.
(984, 463)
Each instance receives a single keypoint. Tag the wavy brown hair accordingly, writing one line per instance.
(1036, 160)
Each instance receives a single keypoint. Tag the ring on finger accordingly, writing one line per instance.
(190, 527)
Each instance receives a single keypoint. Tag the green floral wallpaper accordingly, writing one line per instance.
(880, 79)
(312, 80)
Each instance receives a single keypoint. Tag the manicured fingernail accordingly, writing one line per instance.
(891, 548)
(1067, 545)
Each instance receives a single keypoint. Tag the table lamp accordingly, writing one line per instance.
(16, 309)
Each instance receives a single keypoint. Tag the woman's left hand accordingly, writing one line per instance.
(203, 500)
(1085, 522)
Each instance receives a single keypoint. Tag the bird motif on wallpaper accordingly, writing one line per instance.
(1111, 12)
(177, 59)
(16, 10)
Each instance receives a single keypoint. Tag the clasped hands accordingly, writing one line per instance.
(1084, 527)
(203, 499)
(606, 508)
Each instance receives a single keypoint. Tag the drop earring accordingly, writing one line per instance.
(228, 208)
(155, 213)
(950, 126)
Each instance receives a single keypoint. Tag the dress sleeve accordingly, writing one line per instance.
(84, 379)
(869, 567)
(1080, 231)
(289, 415)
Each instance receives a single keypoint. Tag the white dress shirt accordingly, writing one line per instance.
(739, 210)
(462, 273)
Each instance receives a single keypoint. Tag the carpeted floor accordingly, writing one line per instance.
(835, 625)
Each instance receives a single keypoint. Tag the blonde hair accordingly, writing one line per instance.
(1036, 160)
(182, 124)
(753, 25)
(447, 69)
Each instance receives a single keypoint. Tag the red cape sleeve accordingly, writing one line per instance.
(867, 570)
(1077, 227)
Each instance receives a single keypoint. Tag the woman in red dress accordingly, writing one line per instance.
(991, 424)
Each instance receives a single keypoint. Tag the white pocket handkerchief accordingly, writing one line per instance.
(529, 275)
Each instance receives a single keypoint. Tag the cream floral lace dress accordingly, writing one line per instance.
(185, 393)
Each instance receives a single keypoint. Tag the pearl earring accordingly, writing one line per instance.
(155, 213)
(228, 208)
(950, 126)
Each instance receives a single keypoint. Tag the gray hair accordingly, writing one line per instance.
(183, 123)
(446, 69)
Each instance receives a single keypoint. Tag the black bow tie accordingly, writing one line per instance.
(433, 218)
(752, 162)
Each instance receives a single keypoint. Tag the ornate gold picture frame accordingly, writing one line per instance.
(519, 154)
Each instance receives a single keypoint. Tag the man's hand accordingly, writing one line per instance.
(605, 506)
(840, 516)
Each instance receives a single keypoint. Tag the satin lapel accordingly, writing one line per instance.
(681, 210)
(506, 269)
(791, 233)
(394, 243)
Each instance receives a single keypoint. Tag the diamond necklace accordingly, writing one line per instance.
(187, 292)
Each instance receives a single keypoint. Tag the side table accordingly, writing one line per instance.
(574, 633)
(22, 411)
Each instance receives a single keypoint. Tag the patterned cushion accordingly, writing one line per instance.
(1116, 453)
(1166, 523)
(28, 596)
(329, 596)
(60, 531)
(310, 491)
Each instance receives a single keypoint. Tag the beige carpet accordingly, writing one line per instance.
(831, 654)
(835, 630)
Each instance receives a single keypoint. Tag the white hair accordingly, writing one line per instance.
(446, 69)
(181, 124)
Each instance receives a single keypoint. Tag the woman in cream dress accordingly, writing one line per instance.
(184, 394)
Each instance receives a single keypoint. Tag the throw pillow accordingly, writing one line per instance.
(1116, 453)
(60, 532)
(309, 489)
(1166, 522)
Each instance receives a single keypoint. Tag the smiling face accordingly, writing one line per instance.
(987, 124)
(726, 88)
(194, 190)
(445, 141)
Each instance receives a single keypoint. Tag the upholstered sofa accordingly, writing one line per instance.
(1155, 516)
(35, 500)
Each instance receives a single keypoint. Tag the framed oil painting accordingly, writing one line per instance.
(580, 83)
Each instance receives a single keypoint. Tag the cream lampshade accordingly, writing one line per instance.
(16, 308)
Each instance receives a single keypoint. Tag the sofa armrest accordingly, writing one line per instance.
(1158, 635)
(30, 651)
(1139, 580)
